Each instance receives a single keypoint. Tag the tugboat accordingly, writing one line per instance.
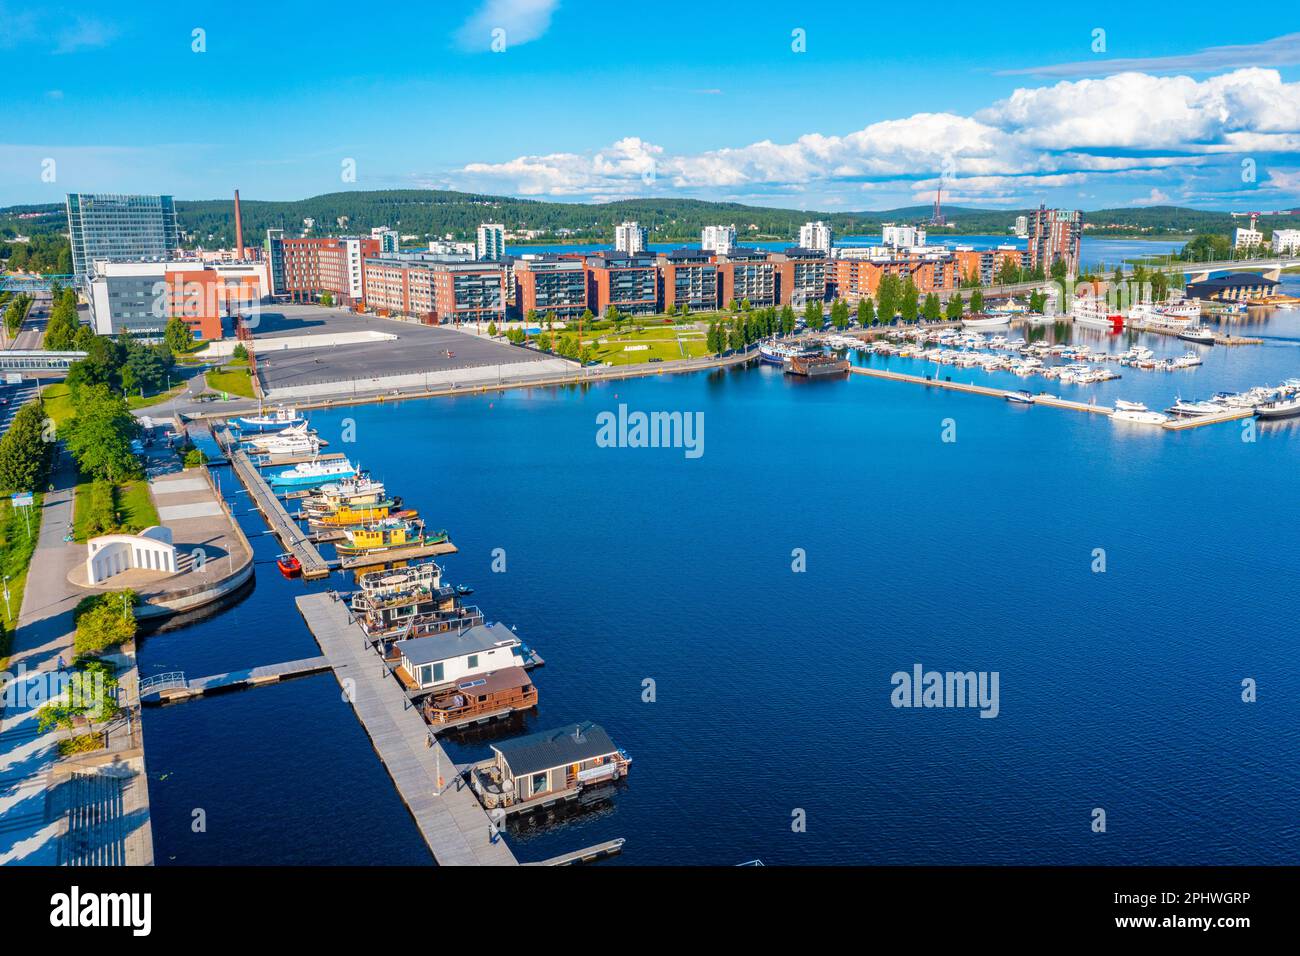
(385, 536)
(289, 566)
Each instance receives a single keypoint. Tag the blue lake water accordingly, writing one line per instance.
(1118, 690)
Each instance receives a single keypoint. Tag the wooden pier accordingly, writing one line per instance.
(164, 688)
(1156, 328)
(380, 559)
(589, 855)
(1232, 414)
(283, 526)
(453, 823)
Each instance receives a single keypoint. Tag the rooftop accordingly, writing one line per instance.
(572, 743)
(442, 647)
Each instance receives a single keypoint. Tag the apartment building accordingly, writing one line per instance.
(748, 274)
(554, 287)
(801, 275)
(435, 289)
(490, 244)
(718, 239)
(688, 277)
(630, 237)
(1055, 235)
(628, 282)
(311, 267)
(815, 235)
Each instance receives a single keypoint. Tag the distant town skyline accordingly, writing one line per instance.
(807, 109)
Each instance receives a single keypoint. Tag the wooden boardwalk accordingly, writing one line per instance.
(1229, 415)
(233, 680)
(588, 855)
(451, 820)
(381, 558)
(281, 523)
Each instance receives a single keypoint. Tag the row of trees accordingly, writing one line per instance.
(64, 331)
(25, 450)
(15, 312)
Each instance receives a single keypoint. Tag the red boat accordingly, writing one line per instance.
(289, 566)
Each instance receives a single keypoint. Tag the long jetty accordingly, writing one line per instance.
(453, 823)
(281, 523)
(1052, 401)
(165, 688)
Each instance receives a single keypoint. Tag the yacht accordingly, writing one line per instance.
(985, 320)
(293, 431)
(1021, 397)
(278, 418)
(1123, 406)
(1279, 408)
(311, 473)
(1194, 409)
(1140, 418)
(290, 445)
(1200, 334)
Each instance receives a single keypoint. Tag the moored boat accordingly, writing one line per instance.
(1193, 409)
(310, 473)
(348, 516)
(1095, 313)
(985, 320)
(289, 565)
(1020, 397)
(1279, 408)
(1123, 406)
(1140, 418)
(815, 366)
(386, 535)
(1200, 334)
(278, 418)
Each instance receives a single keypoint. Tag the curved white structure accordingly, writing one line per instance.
(111, 554)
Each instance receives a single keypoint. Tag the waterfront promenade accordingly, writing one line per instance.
(450, 818)
(34, 806)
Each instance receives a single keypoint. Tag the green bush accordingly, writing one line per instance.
(104, 621)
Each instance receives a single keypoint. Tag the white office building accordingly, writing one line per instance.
(1246, 238)
(1286, 242)
(902, 237)
(630, 237)
(491, 244)
(719, 239)
(815, 235)
(449, 247)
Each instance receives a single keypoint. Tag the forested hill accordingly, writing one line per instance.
(434, 213)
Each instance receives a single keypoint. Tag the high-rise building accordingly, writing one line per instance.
(1055, 235)
(1246, 238)
(274, 255)
(815, 235)
(119, 228)
(902, 237)
(1022, 226)
(388, 238)
(719, 239)
(630, 237)
(491, 245)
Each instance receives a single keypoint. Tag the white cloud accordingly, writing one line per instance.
(1037, 138)
(1279, 51)
(1156, 197)
(522, 20)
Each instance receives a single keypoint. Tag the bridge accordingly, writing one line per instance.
(23, 282)
(37, 360)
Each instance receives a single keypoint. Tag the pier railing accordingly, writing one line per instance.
(161, 682)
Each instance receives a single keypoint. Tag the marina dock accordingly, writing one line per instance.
(1228, 415)
(393, 555)
(450, 818)
(165, 688)
(589, 855)
(279, 520)
(1219, 339)
(988, 390)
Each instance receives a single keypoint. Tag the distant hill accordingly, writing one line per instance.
(436, 213)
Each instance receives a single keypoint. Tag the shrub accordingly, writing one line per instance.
(104, 621)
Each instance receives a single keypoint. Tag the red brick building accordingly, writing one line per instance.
(555, 287)
(628, 282)
(435, 289)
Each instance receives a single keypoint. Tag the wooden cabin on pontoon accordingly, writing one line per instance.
(428, 664)
(480, 698)
(552, 765)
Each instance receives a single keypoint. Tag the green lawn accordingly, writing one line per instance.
(135, 401)
(235, 381)
(16, 547)
(131, 501)
(663, 342)
(58, 402)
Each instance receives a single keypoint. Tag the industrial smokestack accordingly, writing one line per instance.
(239, 231)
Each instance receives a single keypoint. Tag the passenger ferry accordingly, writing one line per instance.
(279, 418)
(349, 516)
(385, 536)
(779, 353)
(310, 473)
(1094, 313)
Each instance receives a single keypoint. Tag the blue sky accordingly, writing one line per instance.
(603, 100)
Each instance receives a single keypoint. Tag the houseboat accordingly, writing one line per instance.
(816, 366)
(480, 698)
(426, 665)
(540, 769)
(780, 353)
(354, 491)
(386, 535)
(410, 602)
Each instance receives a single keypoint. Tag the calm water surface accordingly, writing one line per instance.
(1119, 690)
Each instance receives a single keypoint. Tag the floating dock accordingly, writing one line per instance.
(589, 855)
(394, 555)
(164, 688)
(1232, 414)
(453, 823)
(284, 527)
(1219, 338)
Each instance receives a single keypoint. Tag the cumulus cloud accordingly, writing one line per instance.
(522, 20)
(1038, 137)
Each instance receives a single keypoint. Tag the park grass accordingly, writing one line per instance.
(58, 403)
(131, 500)
(234, 381)
(135, 401)
(16, 549)
(612, 349)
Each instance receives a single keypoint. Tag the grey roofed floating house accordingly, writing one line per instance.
(441, 659)
(573, 743)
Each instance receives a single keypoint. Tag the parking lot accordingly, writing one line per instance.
(416, 349)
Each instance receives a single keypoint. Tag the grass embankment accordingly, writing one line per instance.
(135, 401)
(58, 402)
(17, 544)
(668, 343)
(125, 507)
(231, 379)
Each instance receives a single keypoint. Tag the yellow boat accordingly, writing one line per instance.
(386, 535)
(347, 516)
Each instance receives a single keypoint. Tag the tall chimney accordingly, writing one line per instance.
(239, 231)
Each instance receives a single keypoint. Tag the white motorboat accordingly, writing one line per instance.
(1194, 409)
(1140, 418)
(1123, 406)
(985, 320)
(1281, 408)
(1021, 397)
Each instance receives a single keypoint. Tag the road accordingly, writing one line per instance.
(31, 335)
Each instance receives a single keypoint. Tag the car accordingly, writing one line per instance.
(655, 358)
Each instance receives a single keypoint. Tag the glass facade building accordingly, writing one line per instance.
(119, 228)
